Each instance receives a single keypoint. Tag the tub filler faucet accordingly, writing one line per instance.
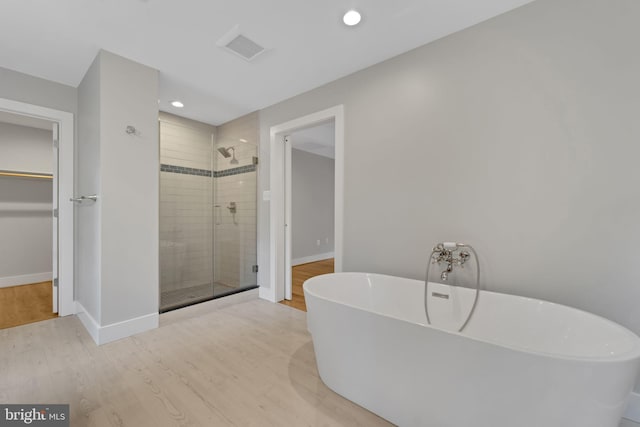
(449, 253)
(452, 255)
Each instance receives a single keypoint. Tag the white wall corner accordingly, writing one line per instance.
(105, 334)
(633, 408)
(268, 294)
(124, 329)
(88, 322)
(312, 258)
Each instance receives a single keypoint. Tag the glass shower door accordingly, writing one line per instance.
(207, 214)
(235, 180)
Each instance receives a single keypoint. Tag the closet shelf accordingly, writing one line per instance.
(24, 174)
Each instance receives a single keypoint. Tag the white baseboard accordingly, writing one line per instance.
(88, 322)
(633, 408)
(26, 279)
(312, 258)
(124, 329)
(115, 331)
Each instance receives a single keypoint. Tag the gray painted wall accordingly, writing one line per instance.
(518, 136)
(119, 240)
(129, 189)
(37, 91)
(87, 238)
(312, 203)
(25, 148)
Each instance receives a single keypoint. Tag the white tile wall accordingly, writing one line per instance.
(186, 230)
(200, 244)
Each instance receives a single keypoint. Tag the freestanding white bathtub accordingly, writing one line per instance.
(520, 361)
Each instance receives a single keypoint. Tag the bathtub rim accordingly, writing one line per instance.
(632, 354)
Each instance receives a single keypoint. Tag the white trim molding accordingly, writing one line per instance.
(89, 323)
(126, 328)
(276, 290)
(26, 279)
(312, 258)
(115, 331)
(633, 408)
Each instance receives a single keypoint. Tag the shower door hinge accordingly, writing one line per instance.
(254, 269)
(55, 282)
(255, 160)
(55, 213)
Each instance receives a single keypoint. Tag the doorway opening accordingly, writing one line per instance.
(309, 241)
(36, 175)
(309, 207)
(27, 164)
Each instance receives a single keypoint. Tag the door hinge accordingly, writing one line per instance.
(55, 143)
(254, 269)
(55, 213)
(255, 160)
(55, 282)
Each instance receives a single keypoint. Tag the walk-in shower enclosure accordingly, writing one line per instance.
(207, 214)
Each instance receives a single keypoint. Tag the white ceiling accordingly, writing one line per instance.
(308, 44)
(318, 140)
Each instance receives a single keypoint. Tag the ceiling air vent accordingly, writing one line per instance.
(239, 44)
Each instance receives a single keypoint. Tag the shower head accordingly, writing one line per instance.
(225, 151)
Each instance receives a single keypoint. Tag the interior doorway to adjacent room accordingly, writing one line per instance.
(309, 207)
(307, 191)
(36, 248)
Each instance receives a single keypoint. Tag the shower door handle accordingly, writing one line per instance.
(80, 199)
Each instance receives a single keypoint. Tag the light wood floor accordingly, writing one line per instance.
(24, 304)
(302, 272)
(250, 364)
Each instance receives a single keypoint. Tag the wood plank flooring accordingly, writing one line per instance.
(302, 272)
(20, 305)
(250, 364)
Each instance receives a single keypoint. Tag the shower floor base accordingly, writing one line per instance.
(192, 295)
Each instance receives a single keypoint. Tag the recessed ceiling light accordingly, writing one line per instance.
(177, 104)
(352, 18)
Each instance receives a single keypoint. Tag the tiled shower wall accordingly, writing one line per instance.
(200, 238)
(235, 234)
(186, 231)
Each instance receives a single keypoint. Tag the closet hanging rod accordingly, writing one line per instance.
(22, 174)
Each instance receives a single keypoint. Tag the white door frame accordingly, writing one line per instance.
(65, 121)
(277, 244)
(288, 222)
